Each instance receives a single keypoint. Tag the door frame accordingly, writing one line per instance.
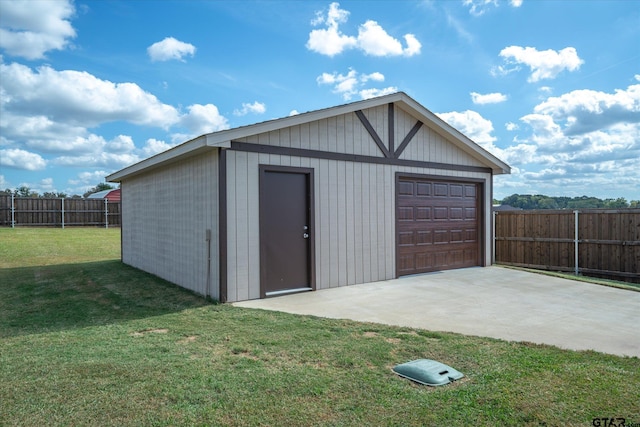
(480, 206)
(311, 261)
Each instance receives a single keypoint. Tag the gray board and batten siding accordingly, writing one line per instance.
(167, 215)
(193, 214)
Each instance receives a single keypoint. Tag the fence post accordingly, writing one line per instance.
(106, 213)
(577, 269)
(493, 253)
(13, 212)
(62, 199)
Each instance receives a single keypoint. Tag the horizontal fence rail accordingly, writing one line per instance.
(602, 243)
(56, 212)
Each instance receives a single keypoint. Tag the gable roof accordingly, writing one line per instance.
(223, 138)
(104, 194)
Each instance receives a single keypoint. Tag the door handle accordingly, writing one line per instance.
(305, 235)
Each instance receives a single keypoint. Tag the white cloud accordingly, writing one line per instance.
(372, 39)
(378, 77)
(501, 70)
(510, 126)
(120, 144)
(293, 113)
(479, 130)
(581, 140)
(79, 98)
(39, 131)
(203, 119)
(3, 182)
(488, 98)
(169, 49)
(479, 7)
(471, 124)
(111, 161)
(45, 185)
(154, 146)
(375, 41)
(372, 93)
(21, 159)
(89, 179)
(330, 41)
(29, 29)
(350, 84)
(583, 111)
(76, 145)
(49, 111)
(255, 108)
(545, 64)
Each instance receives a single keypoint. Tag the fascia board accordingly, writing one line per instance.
(178, 151)
(213, 139)
(222, 139)
(452, 134)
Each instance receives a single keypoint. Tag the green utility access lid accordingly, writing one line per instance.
(428, 372)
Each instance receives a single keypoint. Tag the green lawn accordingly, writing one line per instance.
(85, 340)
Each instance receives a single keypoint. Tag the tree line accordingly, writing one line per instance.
(522, 201)
(539, 201)
(25, 191)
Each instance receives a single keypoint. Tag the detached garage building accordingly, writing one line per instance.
(362, 192)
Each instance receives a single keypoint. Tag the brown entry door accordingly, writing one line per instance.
(437, 225)
(286, 230)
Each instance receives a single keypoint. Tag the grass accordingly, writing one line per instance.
(630, 286)
(85, 340)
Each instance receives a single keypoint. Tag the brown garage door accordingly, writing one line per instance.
(437, 225)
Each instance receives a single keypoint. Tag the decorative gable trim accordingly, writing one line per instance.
(389, 153)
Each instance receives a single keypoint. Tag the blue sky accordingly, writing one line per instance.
(550, 87)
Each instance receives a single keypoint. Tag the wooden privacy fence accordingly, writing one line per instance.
(31, 211)
(594, 242)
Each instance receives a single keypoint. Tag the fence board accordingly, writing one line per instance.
(31, 211)
(608, 241)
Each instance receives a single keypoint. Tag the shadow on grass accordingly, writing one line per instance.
(58, 297)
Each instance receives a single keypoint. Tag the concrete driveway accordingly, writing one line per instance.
(490, 302)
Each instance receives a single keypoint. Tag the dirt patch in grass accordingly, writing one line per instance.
(149, 331)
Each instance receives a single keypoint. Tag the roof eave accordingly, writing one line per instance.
(222, 139)
(462, 141)
(178, 151)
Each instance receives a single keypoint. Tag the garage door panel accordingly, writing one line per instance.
(469, 256)
(457, 258)
(442, 230)
(406, 264)
(406, 238)
(441, 190)
(456, 213)
(405, 213)
(440, 213)
(456, 190)
(423, 189)
(425, 237)
(470, 190)
(470, 214)
(423, 213)
(405, 188)
(423, 260)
